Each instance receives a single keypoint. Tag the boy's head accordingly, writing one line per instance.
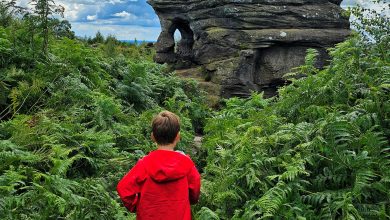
(165, 128)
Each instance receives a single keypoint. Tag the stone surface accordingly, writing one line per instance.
(246, 45)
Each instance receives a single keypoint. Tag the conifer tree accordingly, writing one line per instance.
(5, 15)
(44, 9)
(99, 38)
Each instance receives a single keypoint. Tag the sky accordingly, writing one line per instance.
(126, 19)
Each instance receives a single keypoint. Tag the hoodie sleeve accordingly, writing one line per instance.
(194, 185)
(130, 186)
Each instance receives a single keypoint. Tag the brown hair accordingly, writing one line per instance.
(165, 127)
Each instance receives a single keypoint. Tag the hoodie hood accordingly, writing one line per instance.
(165, 166)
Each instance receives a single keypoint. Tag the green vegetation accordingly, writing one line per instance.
(74, 116)
(318, 151)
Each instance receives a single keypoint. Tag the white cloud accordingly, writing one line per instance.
(124, 14)
(117, 1)
(91, 17)
(78, 9)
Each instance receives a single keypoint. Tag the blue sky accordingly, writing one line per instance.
(126, 19)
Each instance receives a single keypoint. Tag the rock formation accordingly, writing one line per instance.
(241, 46)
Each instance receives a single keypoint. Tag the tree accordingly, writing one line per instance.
(5, 15)
(44, 9)
(110, 46)
(370, 23)
(99, 38)
(8, 8)
(62, 28)
(41, 17)
(31, 23)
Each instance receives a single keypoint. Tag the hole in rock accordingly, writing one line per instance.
(183, 37)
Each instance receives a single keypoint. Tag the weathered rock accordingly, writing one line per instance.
(247, 45)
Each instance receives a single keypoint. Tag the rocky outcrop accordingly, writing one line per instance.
(246, 45)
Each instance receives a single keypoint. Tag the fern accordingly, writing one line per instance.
(318, 151)
(273, 199)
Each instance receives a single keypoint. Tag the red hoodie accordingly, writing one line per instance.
(162, 186)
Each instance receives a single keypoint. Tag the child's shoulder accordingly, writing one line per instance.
(167, 155)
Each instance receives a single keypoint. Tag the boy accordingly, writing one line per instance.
(163, 184)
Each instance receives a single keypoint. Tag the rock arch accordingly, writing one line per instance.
(180, 53)
(246, 45)
(186, 43)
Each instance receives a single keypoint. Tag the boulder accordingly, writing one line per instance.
(247, 45)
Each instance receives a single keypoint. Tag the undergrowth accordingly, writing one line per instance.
(72, 123)
(318, 151)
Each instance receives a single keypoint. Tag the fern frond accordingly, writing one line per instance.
(272, 200)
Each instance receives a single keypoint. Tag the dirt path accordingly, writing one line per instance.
(198, 141)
